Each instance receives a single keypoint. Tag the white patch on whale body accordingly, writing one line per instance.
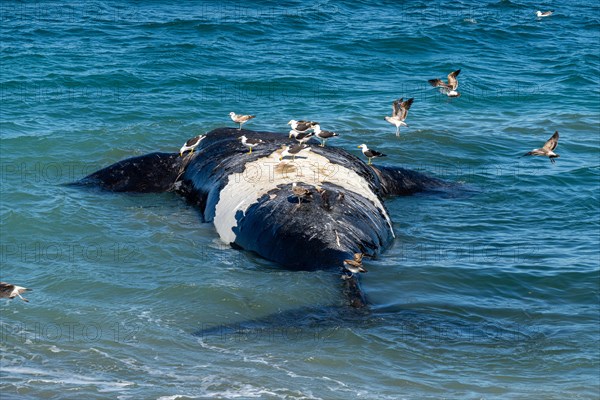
(266, 173)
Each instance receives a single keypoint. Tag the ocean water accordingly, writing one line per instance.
(490, 291)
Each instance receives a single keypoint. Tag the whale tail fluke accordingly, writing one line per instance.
(150, 173)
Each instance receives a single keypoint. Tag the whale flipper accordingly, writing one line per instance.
(150, 173)
(403, 182)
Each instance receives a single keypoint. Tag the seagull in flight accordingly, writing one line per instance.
(10, 291)
(547, 150)
(355, 265)
(399, 112)
(449, 89)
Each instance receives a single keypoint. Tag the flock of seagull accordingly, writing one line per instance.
(302, 131)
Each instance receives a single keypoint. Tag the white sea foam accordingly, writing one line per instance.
(65, 378)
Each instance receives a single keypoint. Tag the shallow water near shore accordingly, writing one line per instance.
(490, 290)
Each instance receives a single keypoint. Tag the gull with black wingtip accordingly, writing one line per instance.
(302, 137)
(293, 151)
(449, 89)
(191, 144)
(399, 113)
(301, 126)
(250, 143)
(547, 150)
(240, 119)
(370, 154)
(323, 135)
(10, 291)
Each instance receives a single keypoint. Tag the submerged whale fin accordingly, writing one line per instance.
(317, 320)
(150, 173)
(300, 323)
(402, 182)
(353, 292)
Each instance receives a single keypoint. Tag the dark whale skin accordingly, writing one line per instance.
(318, 232)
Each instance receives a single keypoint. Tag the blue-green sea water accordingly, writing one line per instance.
(490, 291)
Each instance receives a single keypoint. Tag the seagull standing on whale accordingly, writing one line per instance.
(449, 89)
(301, 126)
(300, 192)
(250, 143)
(240, 119)
(370, 154)
(191, 144)
(302, 137)
(399, 112)
(323, 135)
(293, 151)
(547, 150)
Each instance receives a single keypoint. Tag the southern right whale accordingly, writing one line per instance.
(249, 197)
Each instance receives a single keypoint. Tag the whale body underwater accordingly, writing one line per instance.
(249, 198)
